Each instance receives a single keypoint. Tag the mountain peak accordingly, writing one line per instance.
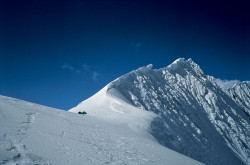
(181, 94)
(194, 115)
(182, 66)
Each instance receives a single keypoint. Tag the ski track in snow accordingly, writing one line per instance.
(20, 152)
(17, 151)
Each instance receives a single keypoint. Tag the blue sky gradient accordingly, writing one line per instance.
(59, 53)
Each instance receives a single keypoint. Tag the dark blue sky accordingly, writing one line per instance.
(58, 53)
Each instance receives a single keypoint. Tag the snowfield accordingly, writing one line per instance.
(35, 134)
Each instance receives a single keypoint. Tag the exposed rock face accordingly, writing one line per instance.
(196, 117)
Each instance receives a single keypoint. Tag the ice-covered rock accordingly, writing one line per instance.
(240, 93)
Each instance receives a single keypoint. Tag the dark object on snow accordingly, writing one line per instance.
(83, 113)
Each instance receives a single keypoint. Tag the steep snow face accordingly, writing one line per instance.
(34, 134)
(240, 93)
(113, 107)
(195, 116)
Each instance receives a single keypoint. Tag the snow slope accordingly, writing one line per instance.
(195, 116)
(35, 134)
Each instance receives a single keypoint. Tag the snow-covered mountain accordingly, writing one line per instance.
(34, 134)
(191, 113)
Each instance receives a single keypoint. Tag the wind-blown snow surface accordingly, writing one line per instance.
(195, 116)
(35, 134)
(226, 84)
